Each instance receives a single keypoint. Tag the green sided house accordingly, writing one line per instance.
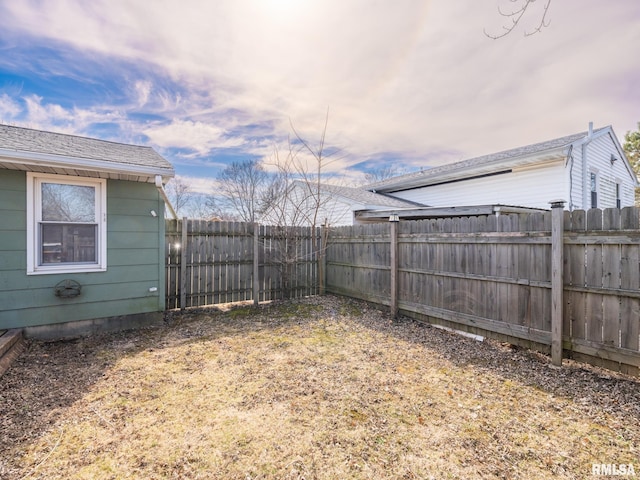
(81, 233)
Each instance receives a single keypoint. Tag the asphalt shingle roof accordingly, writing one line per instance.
(483, 160)
(367, 198)
(71, 146)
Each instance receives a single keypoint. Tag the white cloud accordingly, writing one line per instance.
(54, 117)
(142, 90)
(34, 112)
(199, 185)
(413, 78)
(9, 108)
(43, 114)
(197, 136)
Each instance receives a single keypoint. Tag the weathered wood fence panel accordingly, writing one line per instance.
(209, 263)
(602, 286)
(488, 275)
(493, 276)
(358, 260)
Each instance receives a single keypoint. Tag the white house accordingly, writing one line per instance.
(333, 204)
(587, 170)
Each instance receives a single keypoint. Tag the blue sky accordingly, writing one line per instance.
(414, 83)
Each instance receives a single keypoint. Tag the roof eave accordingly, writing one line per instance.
(58, 161)
(555, 153)
(359, 204)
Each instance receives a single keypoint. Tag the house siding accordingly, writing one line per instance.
(608, 174)
(526, 187)
(135, 260)
(300, 209)
(574, 180)
(337, 213)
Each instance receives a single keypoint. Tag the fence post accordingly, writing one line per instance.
(322, 259)
(393, 220)
(256, 264)
(183, 266)
(557, 283)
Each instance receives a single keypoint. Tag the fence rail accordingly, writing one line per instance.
(490, 275)
(209, 263)
(493, 276)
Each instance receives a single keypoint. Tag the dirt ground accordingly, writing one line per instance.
(320, 388)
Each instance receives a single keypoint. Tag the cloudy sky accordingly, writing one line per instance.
(415, 83)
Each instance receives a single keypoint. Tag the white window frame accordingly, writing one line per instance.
(34, 216)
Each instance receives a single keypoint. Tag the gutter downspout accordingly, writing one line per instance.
(585, 191)
(164, 196)
(570, 159)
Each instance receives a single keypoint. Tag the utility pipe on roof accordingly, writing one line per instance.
(160, 188)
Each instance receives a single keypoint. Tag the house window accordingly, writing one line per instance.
(618, 201)
(66, 224)
(594, 190)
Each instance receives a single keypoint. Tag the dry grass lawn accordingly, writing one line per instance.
(322, 388)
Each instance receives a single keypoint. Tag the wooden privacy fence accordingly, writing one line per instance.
(208, 263)
(502, 276)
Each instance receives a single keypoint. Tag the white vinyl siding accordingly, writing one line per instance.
(573, 175)
(336, 212)
(530, 187)
(301, 209)
(609, 173)
(567, 179)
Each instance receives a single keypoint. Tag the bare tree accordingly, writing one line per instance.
(516, 14)
(286, 197)
(305, 168)
(383, 173)
(201, 207)
(241, 190)
(295, 198)
(179, 193)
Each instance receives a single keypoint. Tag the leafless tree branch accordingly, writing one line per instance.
(383, 173)
(179, 192)
(516, 16)
(242, 186)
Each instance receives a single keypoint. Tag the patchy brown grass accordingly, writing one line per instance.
(322, 388)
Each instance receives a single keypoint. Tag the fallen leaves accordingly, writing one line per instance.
(319, 388)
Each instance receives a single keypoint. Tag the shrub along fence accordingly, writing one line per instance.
(552, 281)
(209, 263)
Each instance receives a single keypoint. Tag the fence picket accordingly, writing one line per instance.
(494, 273)
(481, 274)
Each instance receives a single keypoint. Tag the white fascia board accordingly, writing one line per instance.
(551, 154)
(623, 156)
(58, 161)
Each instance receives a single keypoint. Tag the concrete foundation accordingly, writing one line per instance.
(85, 328)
